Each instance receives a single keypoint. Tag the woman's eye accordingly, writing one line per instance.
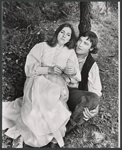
(68, 34)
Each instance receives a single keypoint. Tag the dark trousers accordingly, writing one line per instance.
(77, 101)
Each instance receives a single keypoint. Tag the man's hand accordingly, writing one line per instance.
(70, 71)
(54, 70)
(89, 114)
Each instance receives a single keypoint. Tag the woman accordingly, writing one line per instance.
(42, 114)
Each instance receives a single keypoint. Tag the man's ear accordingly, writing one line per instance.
(91, 49)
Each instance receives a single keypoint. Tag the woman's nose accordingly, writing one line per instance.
(64, 35)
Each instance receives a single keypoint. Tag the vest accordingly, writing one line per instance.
(83, 85)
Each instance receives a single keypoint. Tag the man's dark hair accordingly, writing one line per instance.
(93, 39)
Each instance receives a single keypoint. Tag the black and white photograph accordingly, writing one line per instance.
(60, 74)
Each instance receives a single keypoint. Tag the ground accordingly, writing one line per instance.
(101, 131)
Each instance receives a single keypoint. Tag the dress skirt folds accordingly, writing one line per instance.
(41, 114)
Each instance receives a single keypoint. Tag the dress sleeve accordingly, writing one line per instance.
(94, 82)
(73, 59)
(33, 61)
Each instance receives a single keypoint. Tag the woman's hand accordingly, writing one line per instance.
(70, 71)
(54, 70)
(89, 114)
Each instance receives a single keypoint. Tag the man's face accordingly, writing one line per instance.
(83, 45)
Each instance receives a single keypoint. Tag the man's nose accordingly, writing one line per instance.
(80, 43)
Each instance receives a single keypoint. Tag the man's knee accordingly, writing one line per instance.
(89, 99)
(93, 98)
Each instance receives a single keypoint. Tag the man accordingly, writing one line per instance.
(84, 97)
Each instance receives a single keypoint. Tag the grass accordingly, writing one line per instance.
(102, 130)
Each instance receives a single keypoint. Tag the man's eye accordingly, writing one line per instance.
(86, 43)
(68, 34)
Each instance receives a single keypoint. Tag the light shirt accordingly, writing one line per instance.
(94, 82)
(43, 56)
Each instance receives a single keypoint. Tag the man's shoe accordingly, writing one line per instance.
(18, 142)
(54, 145)
(69, 127)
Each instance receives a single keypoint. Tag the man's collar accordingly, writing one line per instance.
(80, 59)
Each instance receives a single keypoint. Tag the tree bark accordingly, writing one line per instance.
(85, 24)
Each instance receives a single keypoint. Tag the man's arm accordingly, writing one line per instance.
(94, 85)
(90, 113)
(94, 82)
(72, 69)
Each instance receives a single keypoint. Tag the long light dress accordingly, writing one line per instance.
(42, 113)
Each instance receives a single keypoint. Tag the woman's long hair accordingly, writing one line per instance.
(72, 42)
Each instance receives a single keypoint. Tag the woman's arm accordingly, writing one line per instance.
(33, 61)
(72, 68)
(34, 66)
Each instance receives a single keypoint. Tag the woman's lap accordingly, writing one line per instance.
(54, 104)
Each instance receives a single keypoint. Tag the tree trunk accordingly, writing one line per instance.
(85, 24)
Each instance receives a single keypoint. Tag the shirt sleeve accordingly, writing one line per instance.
(33, 61)
(77, 77)
(94, 82)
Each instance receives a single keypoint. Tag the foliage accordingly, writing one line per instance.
(113, 5)
(23, 27)
(104, 8)
(18, 39)
(22, 14)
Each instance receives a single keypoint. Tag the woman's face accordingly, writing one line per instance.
(64, 36)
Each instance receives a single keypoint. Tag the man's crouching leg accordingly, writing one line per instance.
(87, 99)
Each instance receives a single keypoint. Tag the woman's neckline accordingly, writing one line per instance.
(59, 46)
